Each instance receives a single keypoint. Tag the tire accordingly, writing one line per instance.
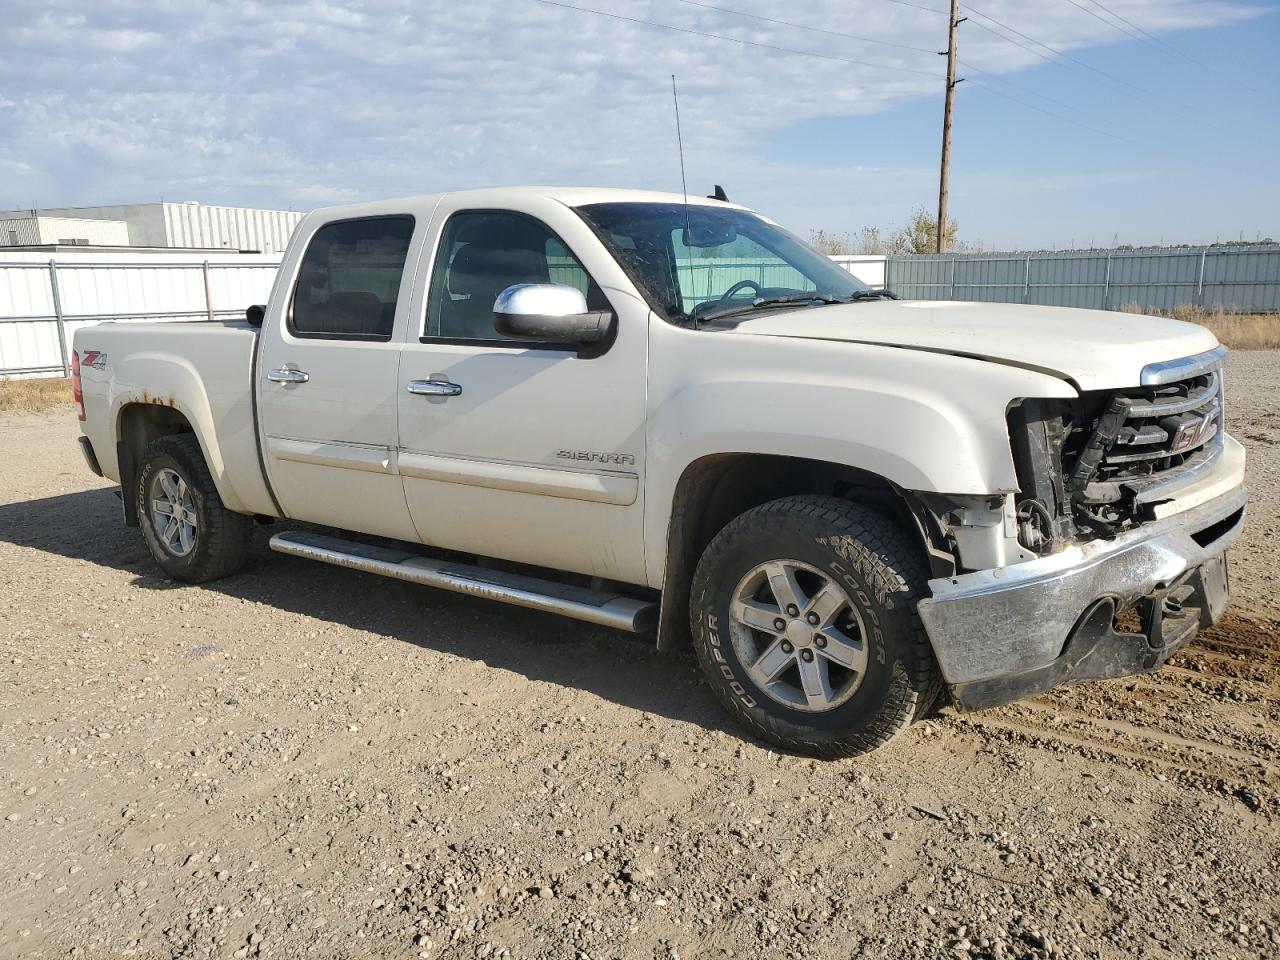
(868, 676)
(217, 543)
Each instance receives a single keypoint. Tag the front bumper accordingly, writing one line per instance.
(1008, 633)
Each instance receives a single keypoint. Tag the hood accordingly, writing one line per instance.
(1094, 349)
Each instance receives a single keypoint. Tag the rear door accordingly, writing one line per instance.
(327, 376)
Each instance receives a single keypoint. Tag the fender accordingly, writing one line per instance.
(892, 412)
(223, 423)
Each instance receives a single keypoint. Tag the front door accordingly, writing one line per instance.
(522, 450)
(327, 378)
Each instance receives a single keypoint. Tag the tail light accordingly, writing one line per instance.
(76, 392)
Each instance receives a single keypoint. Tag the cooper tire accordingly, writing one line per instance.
(887, 677)
(191, 535)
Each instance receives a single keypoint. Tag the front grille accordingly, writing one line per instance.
(1096, 464)
(1164, 430)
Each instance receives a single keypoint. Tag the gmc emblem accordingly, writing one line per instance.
(1191, 434)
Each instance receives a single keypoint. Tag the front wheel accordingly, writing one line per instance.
(191, 535)
(804, 620)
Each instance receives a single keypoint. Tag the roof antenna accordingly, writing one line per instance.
(684, 187)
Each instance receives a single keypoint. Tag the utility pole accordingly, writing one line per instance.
(954, 22)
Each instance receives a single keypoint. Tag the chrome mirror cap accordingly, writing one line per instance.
(540, 300)
(551, 313)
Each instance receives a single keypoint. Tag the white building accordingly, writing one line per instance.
(163, 224)
(26, 230)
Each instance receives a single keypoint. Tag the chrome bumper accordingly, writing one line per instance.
(1011, 632)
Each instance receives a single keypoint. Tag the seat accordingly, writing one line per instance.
(481, 270)
(360, 313)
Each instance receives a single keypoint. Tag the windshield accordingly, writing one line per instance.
(719, 262)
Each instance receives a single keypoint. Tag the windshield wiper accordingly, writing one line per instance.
(870, 295)
(781, 300)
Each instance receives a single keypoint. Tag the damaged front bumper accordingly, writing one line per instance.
(1011, 632)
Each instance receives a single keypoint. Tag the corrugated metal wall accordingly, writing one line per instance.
(92, 287)
(1234, 279)
(240, 228)
(169, 224)
(16, 231)
(43, 302)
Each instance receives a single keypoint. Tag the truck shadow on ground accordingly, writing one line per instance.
(624, 669)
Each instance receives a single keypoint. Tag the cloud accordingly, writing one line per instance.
(304, 102)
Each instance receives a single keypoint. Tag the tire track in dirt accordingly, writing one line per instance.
(1207, 719)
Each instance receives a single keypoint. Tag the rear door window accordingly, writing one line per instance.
(349, 279)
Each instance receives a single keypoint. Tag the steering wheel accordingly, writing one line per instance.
(740, 285)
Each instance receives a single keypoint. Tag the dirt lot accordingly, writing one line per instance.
(308, 761)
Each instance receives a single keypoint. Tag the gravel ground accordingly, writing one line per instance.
(308, 761)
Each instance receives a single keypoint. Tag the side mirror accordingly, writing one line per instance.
(255, 314)
(554, 312)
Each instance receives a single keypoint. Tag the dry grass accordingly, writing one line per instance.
(1239, 331)
(34, 394)
(1245, 331)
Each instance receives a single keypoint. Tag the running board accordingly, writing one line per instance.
(594, 606)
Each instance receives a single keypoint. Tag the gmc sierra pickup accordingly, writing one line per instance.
(672, 416)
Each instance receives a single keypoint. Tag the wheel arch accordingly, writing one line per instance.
(138, 424)
(714, 489)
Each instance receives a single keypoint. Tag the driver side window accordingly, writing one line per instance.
(481, 253)
(706, 273)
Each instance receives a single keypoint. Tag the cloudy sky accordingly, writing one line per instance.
(1077, 128)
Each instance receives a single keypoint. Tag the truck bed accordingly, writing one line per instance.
(202, 370)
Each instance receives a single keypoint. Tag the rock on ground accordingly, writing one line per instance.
(307, 761)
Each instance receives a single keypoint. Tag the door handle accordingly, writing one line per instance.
(433, 388)
(287, 375)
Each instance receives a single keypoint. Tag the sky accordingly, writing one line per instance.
(1097, 121)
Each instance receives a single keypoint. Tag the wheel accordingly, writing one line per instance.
(804, 620)
(191, 535)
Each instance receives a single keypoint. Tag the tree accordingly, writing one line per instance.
(920, 235)
(873, 240)
(832, 244)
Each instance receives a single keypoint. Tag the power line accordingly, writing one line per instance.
(823, 56)
(1149, 36)
(1132, 34)
(739, 40)
(801, 26)
(1137, 33)
(1051, 113)
(825, 31)
(1055, 54)
(918, 6)
(1059, 54)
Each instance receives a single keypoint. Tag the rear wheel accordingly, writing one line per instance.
(191, 535)
(804, 619)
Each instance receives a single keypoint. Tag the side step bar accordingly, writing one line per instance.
(594, 606)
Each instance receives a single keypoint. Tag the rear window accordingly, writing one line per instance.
(349, 280)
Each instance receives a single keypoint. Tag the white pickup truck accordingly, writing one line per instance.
(673, 416)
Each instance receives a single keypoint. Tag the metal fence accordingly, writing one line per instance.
(43, 301)
(1232, 279)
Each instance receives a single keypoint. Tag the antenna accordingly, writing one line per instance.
(684, 187)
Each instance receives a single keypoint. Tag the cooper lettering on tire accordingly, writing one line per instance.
(820, 649)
